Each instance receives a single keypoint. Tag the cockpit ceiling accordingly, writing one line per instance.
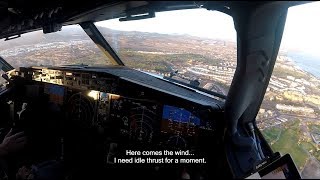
(21, 16)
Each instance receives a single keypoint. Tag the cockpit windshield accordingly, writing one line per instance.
(194, 46)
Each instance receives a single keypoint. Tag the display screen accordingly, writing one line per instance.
(282, 168)
(55, 92)
(279, 173)
(179, 115)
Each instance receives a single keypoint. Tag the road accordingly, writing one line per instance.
(277, 114)
(305, 118)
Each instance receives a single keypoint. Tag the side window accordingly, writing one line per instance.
(71, 45)
(289, 117)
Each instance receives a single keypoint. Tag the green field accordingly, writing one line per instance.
(308, 146)
(271, 134)
(281, 72)
(314, 128)
(312, 148)
(288, 142)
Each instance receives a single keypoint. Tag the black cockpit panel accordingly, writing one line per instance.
(98, 113)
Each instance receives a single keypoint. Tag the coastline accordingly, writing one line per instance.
(306, 63)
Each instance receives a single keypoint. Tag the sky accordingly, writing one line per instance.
(302, 29)
(197, 22)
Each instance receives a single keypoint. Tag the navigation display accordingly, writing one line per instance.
(179, 115)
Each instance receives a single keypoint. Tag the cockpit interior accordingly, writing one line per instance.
(88, 122)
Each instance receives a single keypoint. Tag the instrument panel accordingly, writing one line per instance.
(129, 111)
(127, 119)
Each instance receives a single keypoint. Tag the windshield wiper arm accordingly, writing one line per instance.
(195, 87)
(5, 66)
(96, 36)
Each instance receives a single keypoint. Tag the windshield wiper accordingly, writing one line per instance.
(75, 65)
(12, 37)
(192, 85)
(96, 36)
(138, 16)
(5, 66)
